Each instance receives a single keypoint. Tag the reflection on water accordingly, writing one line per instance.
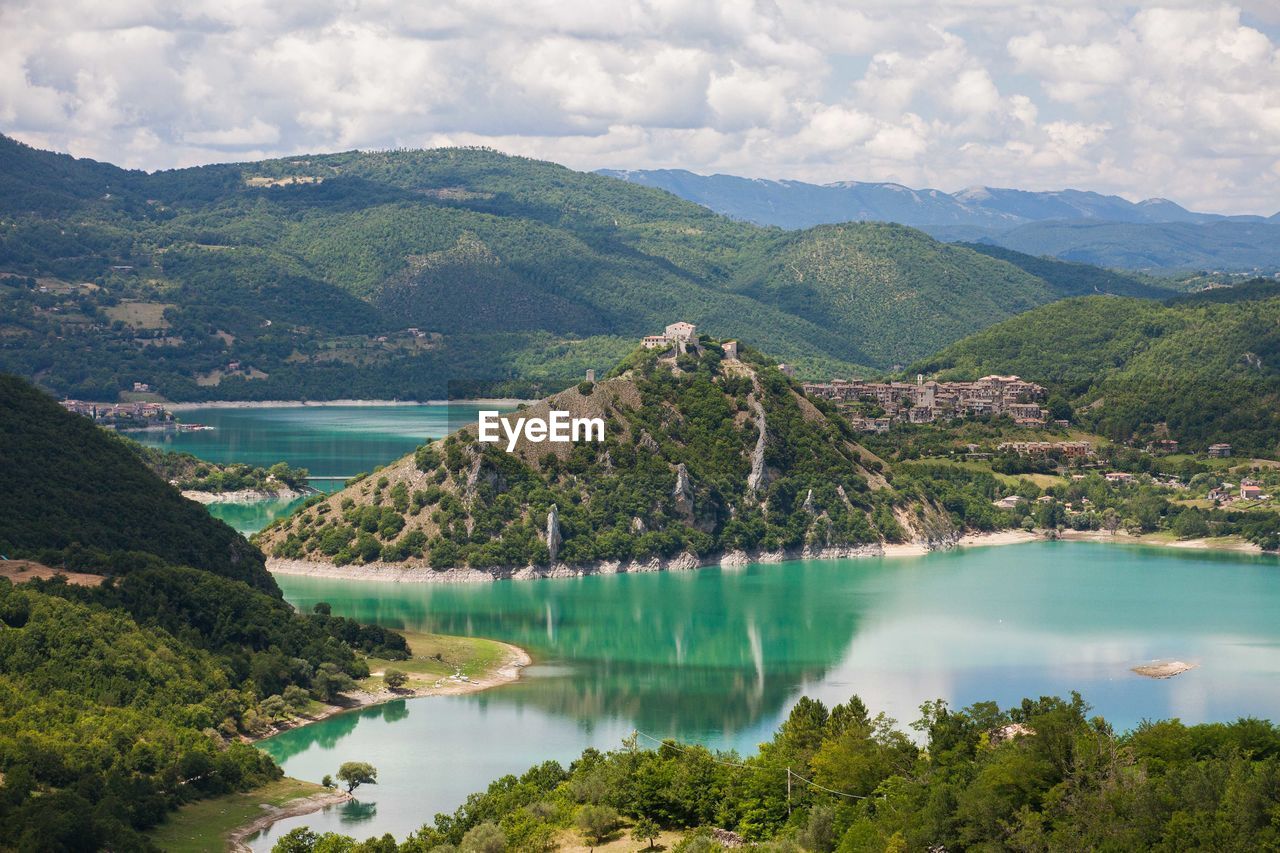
(719, 656)
(252, 517)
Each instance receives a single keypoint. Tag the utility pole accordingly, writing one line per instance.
(788, 792)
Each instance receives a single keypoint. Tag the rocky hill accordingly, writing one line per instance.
(707, 457)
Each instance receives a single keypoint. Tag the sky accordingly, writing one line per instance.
(1176, 99)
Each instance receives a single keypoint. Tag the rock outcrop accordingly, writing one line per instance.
(683, 492)
(758, 479)
(553, 533)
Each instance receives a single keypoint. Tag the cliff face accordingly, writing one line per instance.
(703, 455)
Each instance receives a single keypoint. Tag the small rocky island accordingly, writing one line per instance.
(1164, 669)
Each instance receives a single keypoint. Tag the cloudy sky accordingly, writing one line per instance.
(1177, 99)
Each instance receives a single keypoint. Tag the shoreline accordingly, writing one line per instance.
(357, 700)
(238, 838)
(1228, 544)
(400, 573)
(319, 404)
(244, 496)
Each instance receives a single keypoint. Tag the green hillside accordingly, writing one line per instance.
(123, 700)
(1076, 279)
(72, 489)
(704, 454)
(1208, 371)
(301, 277)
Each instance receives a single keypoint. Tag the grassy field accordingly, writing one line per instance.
(571, 841)
(141, 315)
(202, 827)
(1044, 481)
(436, 656)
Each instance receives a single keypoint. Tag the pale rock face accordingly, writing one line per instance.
(759, 477)
(809, 506)
(647, 442)
(683, 492)
(553, 532)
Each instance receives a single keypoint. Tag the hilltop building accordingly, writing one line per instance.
(679, 334)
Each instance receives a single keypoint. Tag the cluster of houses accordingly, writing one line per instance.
(1250, 490)
(1065, 449)
(924, 402)
(120, 414)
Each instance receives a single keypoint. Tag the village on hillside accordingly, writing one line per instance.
(928, 401)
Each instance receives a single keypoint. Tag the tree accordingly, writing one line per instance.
(273, 707)
(327, 781)
(645, 830)
(357, 773)
(596, 823)
(484, 838)
(394, 678)
(330, 682)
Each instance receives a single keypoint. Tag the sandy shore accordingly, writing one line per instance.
(410, 573)
(500, 402)
(999, 537)
(1120, 537)
(244, 496)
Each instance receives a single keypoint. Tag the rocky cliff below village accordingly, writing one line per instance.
(711, 455)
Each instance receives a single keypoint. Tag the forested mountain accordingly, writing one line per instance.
(304, 277)
(70, 490)
(123, 700)
(704, 454)
(1086, 227)
(1203, 368)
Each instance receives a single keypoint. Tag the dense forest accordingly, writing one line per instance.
(703, 454)
(1043, 775)
(303, 277)
(72, 493)
(122, 700)
(1201, 369)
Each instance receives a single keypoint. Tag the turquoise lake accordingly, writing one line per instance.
(329, 441)
(718, 656)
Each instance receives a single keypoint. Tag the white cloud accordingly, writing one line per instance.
(1175, 98)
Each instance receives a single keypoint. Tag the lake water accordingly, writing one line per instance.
(719, 656)
(329, 441)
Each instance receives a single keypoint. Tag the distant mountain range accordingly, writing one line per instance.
(388, 274)
(1155, 234)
